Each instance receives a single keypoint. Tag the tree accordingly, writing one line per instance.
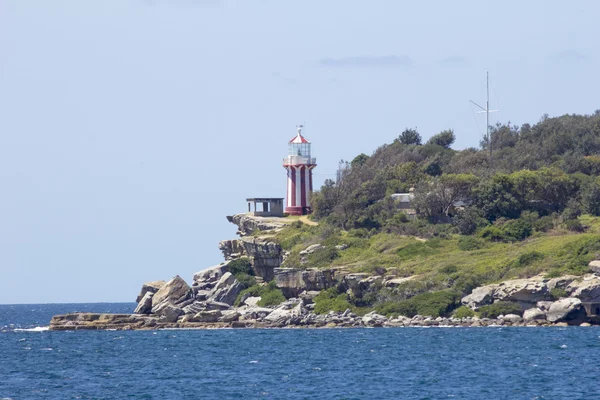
(591, 199)
(438, 197)
(410, 137)
(444, 138)
(359, 160)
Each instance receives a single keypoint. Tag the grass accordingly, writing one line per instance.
(556, 252)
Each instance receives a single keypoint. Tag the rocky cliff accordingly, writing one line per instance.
(210, 301)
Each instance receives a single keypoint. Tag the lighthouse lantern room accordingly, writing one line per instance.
(299, 165)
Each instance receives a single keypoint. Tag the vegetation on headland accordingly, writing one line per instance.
(532, 208)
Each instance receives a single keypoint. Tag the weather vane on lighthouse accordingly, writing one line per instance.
(299, 166)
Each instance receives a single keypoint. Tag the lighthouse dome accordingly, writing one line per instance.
(299, 146)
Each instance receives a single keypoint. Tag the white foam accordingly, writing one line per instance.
(36, 329)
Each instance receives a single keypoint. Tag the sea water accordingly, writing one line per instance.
(395, 363)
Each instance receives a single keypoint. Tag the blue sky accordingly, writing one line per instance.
(129, 129)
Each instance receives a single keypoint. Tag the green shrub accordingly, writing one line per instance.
(493, 233)
(574, 225)
(240, 266)
(432, 304)
(323, 257)
(270, 295)
(528, 258)
(499, 308)
(463, 312)
(245, 279)
(517, 229)
(558, 293)
(271, 298)
(469, 243)
(544, 224)
(331, 300)
(252, 291)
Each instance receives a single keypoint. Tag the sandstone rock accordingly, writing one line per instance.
(342, 246)
(567, 310)
(595, 266)
(311, 249)
(194, 308)
(254, 313)
(232, 249)
(562, 282)
(585, 324)
(229, 316)
(534, 314)
(544, 305)
(145, 304)
(212, 274)
(278, 315)
(264, 256)
(216, 305)
(171, 312)
(352, 282)
(229, 293)
(395, 282)
(247, 224)
(174, 292)
(294, 281)
(585, 289)
(480, 296)
(226, 279)
(512, 318)
(208, 316)
(149, 287)
(252, 301)
(307, 296)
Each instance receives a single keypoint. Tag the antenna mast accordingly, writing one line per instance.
(487, 111)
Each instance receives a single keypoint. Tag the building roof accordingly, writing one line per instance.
(299, 138)
(265, 199)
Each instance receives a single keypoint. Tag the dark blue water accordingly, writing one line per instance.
(400, 363)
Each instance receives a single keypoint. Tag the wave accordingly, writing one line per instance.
(36, 329)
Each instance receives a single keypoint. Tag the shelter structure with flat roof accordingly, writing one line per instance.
(265, 206)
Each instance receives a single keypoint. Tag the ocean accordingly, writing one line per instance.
(394, 363)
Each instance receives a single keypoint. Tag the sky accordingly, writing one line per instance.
(129, 129)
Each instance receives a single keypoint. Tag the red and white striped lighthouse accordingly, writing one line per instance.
(299, 166)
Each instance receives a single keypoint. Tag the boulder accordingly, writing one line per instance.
(149, 287)
(194, 308)
(212, 274)
(292, 281)
(254, 313)
(229, 316)
(252, 301)
(480, 296)
(171, 312)
(228, 294)
(534, 314)
(145, 304)
(174, 292)
(568, 310)
(279, 315)
(513, 318)
(208, 316)
(586, 289)
(595, 266)
(216, 305)
(311, 249)
(225, 280)
(352, 283)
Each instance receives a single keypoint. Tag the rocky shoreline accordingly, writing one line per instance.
(216, 298)
(91, 321)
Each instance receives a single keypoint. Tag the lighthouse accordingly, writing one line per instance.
(299, 166)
